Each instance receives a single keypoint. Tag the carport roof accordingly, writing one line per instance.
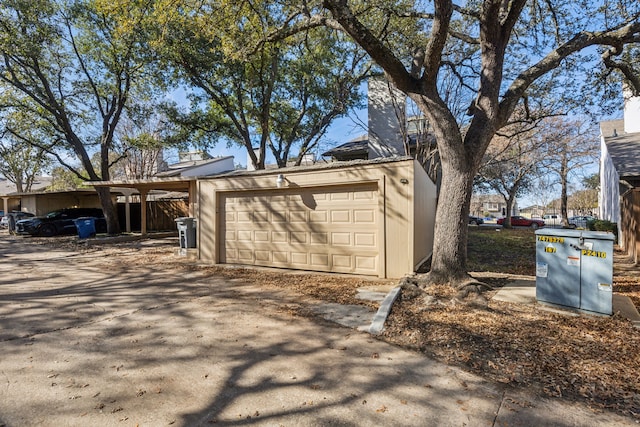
(167, 184)
(77, 191)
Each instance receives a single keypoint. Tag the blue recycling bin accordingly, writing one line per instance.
(86, 227)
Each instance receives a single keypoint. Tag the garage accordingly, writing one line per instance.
(371, 218)
(318, 228)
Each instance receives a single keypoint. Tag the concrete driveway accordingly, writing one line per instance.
(89, 340)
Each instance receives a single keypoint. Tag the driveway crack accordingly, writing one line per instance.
(495, 419)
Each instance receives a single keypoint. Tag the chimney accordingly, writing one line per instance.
(250, 165)
(631, 112)
(386, 112)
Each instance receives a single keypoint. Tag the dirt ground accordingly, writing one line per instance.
(589, 359)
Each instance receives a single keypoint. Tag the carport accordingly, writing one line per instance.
(43, 202)
(144, 187)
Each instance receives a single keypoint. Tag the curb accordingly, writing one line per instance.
(377, 324)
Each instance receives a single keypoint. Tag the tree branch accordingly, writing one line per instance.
(379, 52)
(626, 69)
(437, 41)
(625, 34)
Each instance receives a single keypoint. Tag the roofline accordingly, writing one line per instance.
(132, 182)
(314, 167)
(174, 182)
(40, 193)
(203, 163)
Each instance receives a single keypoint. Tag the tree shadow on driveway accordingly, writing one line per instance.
(93, 339)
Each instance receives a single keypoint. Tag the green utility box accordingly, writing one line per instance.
(574, 268)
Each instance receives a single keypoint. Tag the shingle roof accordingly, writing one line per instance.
(356, 147)
(624, 148)
(359, 148)
(611, 128)
(177, 169)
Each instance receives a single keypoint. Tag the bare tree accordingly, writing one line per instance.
(21, 163)
(513, 162)
(572, 146)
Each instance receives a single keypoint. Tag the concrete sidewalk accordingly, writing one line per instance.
(523, 291)
(89, 340)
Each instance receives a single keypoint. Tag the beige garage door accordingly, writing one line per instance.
(323, 229)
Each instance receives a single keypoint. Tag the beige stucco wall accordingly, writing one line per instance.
(424, 208)
(404, 228)
(41, 204)
(10, 204)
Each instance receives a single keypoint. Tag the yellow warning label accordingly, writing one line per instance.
(551, 239)
(597, 254)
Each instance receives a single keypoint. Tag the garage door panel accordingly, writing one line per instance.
(341, 239)
(319, 238)
(243, 216)
(245, 235)
(366, 263)
(341, 216)
(298, 216)
(280, 257)
(318, 217)
(261, 216)
(365, 239)
(263, 255)
(232, 253)
(364, 216)
(261, 236)
(339, 196)
(326, 229)
(320, 260)
(364, 195)
(299, 237)
(279, 217)
(342, 261)
(300, 258)
(280, 236)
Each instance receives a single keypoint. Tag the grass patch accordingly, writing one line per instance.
(502, 250)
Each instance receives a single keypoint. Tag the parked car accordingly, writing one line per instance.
(552, 219)
(520, 221)
(474, 220)
(60, 222)
(581, 221)
(10, 219)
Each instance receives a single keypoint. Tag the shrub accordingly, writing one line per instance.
(603, 225)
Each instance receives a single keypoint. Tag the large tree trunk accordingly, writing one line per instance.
(459, 163)
(109, 209)
(451, 232)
